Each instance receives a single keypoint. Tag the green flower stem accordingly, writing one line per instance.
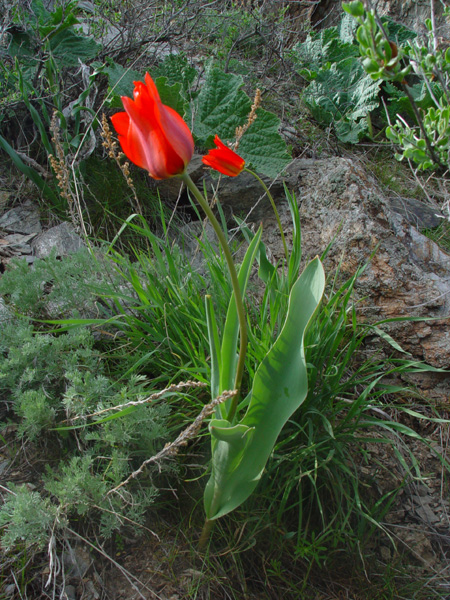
(234, 282)
(277, 216)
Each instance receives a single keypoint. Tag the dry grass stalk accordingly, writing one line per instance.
(112, 149)
(187, 434)
(251, 119)
(175, 387)
(62, 173)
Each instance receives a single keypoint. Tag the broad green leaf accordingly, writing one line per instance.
(347, 29)
(220, 107)
(322, 49)
(121, 81)
(398, 33)
(177, 70)
(350, 132)
(171, 95)
(263, 147)
(343, 95)
(279, 388)
(67, 47)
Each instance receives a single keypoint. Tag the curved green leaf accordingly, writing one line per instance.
(279, 387)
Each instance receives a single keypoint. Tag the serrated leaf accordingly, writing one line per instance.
(263, 147)
(347, 28)
(176, 69)
(398, 33)
(318, 49)
(121, 82)
(171, 94)
(350, 132)
(220, 107)
(343, 96)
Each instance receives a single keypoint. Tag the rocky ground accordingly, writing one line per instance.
(341, 203)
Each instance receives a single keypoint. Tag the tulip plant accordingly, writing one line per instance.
(244, 429)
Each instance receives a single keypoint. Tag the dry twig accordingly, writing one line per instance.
(188, 433)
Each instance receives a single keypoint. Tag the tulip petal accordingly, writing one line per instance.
(121, 122)
(152, 135)
(224, 160)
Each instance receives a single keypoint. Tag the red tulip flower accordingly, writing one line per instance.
(153, 136)
(224, 160)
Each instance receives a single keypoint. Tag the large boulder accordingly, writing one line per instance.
(341, 204)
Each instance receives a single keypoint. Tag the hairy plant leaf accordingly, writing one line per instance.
(343, 95)
(177, 70)
(68, 48)
(120, 81)
(220, 107)
(171, 94)
(320, 50)
(263, 147)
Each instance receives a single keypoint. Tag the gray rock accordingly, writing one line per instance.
(427, 514)
(416, 213)
(61, 238)
(10, 590)
(18, 242)
(22, 219)
(70, 593)
(77, 562)
(342, 205)
(4, 465)
(385, 552)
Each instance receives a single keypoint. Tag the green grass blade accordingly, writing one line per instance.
(231, 328)
(214, 347)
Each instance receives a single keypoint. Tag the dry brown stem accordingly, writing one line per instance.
(187, 434)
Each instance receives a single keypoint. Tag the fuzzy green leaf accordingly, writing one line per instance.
(171, 94)
(220, 107)
(176, 69)
(263, 147)
(343, 95)
(322, 49)
(121, 82)
(67, 47)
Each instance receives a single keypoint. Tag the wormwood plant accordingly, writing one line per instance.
(57, 288)
(48, 381)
